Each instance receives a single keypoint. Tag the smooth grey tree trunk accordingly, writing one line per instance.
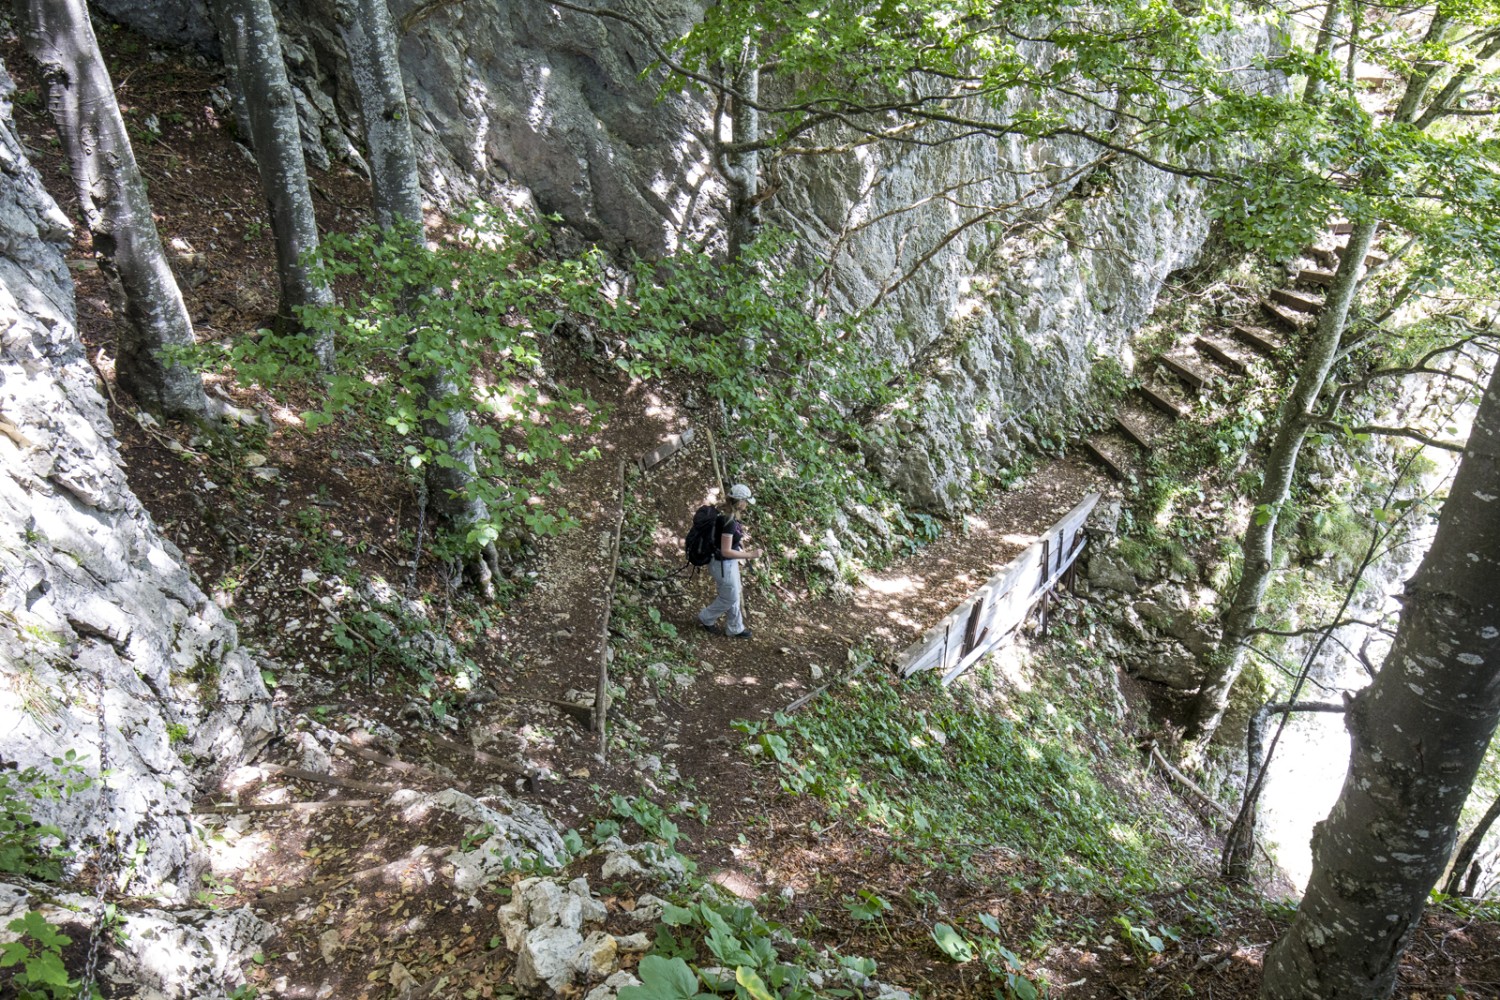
(1323, 47)
(369, 36)
(252, 51)
(151, 318)
(1419, 734)
(1222, 667)
(370, 39)
(742, 170)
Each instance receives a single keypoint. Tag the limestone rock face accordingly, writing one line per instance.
(175, 22)
(1003, 299)
(168, 955)
(102, 630)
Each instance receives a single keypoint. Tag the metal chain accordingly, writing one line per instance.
(105, 859)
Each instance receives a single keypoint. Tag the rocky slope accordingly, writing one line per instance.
(107, 646)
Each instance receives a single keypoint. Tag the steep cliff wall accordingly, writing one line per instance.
(1053, 266)
(103, 634)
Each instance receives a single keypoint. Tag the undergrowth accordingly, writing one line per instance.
(949, 779)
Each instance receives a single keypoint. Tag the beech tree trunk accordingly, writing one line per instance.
(1222, 667)
(252, 51)
(370, 38)
(1419, 732)
(742, 171)
(151, 318)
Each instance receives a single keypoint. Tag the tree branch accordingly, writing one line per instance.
(1401, 432)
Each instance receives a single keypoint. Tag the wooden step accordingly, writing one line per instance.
(1372, 259)
(1284, 316)
(1115, 470)
(1162, 402)
(1194, 378)
(1314, 276)
(1134, 429)
(1323, 256)
(1258, 337)
(1302, 303)
(1341, 228)
(1222, 356)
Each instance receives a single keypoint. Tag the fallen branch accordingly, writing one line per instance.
(326, 779)
(254, 807)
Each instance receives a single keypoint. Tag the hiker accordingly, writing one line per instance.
(725, 567)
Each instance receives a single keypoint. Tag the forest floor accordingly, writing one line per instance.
(273, 517)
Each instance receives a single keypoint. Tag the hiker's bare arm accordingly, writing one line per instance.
(728, 551)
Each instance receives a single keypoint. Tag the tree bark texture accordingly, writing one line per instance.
(252, 51)
(1222, 667)
(743, 169)
(370, 39)
(1419, 734)
(151, 317)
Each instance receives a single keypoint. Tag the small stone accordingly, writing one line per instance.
(631, 944)
(329, 944)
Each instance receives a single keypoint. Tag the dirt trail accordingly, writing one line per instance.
(685, 729)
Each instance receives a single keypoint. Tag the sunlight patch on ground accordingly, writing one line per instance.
(231, 852)
(890, 585)
(738, 883)
(1009, 662)
(1019, 539)
(726, 680)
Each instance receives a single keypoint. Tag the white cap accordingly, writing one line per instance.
(739, 491)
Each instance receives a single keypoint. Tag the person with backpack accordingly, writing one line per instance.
(724, 567)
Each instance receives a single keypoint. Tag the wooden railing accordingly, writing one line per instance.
(998, 608)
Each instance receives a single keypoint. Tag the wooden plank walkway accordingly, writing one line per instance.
(999, 606)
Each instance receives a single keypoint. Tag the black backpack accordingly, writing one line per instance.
(702, 541)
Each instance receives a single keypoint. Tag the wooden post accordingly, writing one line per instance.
(713, 453)
(971, 629)
(601, 692)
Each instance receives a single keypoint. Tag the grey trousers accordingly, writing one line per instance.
(726, 574)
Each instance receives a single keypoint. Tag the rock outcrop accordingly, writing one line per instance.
(107, 646)
(1056, 261)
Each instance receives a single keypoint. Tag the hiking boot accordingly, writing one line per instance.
(714, 629)
(740, 635)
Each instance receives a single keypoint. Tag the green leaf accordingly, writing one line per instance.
(952, 943)
(753, 984)
(663, 979)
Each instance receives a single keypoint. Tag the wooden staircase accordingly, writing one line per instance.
(1177, 377)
